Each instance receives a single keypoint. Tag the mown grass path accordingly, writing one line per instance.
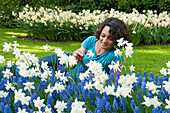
(146, 58)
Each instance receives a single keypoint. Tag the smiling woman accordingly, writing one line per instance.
(100, 47)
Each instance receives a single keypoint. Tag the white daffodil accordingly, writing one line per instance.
(10, 63)
(9, 86)
(24, 73)
(88, 85)
(58, 74)
(6, 47)
(25, 100)
(118, 92)
(166, 86)
(98, 86)
(72, 61)
(46, 47)
(2, 59)
(103, 77)
(117, 52)
(77, 107)
(63, 78)
(3, 94)
(94, 67)
(115, 66)
(128, 51)
(60, 106)
(110, 90)
(15, 44)
(58, 87)
(168, 72)
(21, 111)
(151, 86)
(120, 42)
(29, 86)
(58, 51)
(63, 59)
(7, 73)
(48, 110)
(147, 102)
(134, 32)
(131, 78)
(129, 44)
(168, 64)
(82, 76)
(125, 91)
(90, 53)
(39, 103)
(44, 65)
(49, 89)
(132, 68)
(168, 102)
(16, 52)
(163, 71)
(18, 95)
(155, 102)
(22, 66)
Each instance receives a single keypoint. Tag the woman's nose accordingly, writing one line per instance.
(105, 39)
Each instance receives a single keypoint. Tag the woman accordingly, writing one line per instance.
(100, 46)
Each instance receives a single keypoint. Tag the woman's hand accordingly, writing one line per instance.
(79, 54)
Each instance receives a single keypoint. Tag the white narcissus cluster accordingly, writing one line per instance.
(151, 86)
(125, 87)
(60, 106)
(166, 85)
(151, 101)
(85, 19)
(68, 61)
(124, 44)
(77, 107)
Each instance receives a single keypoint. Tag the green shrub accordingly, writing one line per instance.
(7, 6)
(56, 24)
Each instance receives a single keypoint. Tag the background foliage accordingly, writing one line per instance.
(7, 6)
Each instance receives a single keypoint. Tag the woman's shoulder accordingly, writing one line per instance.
(91, 38)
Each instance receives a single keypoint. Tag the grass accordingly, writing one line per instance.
(146, 58)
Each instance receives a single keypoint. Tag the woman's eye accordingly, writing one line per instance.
(110, 38)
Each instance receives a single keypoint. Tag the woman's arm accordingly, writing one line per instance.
(79, 54)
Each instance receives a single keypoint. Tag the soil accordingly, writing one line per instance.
(44, 40)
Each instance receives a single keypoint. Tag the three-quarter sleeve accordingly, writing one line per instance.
(87, 42)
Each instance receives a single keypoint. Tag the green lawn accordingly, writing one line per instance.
(145, 58)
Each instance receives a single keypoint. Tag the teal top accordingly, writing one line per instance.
(105, 59)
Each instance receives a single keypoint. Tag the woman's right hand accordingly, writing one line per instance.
(79, 54)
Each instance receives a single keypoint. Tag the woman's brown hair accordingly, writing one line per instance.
(118, 29)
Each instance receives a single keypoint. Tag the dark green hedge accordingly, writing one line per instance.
(121, 5)
(7, 6)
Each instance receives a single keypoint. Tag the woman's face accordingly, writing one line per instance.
(106, 42)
